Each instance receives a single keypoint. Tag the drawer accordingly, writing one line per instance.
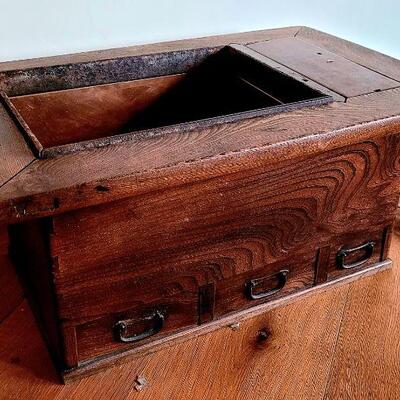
(265, 284)
(136, 327)
(122, 311)
(184, 297)
(355, 251)
(116, 312)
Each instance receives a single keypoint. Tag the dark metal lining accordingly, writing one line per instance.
(69, 76)
(46, 79)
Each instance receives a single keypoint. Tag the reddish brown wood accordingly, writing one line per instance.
(206, 302)
(207, 88)
(14, 152)
(30, 250)
(335, 72)
(102, 175)
(69, 116)
(217, 358)
(365, 362)
(233, 294)
(213, 366)
(11, 293)
(180, 223)
(226, 231)
(98, 337)
(387, 239)
(350, 241)
(70, 344)
(322, 263)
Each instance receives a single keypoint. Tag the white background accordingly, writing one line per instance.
(30, 28)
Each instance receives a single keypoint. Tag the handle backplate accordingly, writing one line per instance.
(366, 249)
(121, 327)
(250, 286)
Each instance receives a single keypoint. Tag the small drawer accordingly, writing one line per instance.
(265, 284)
(354, 252)
(136, 327)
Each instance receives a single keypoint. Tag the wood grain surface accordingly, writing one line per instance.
(11, 293)
(368, 58)
(366, 363)
(69, 182)
(215, 220)
(341, 343)
(295, 362)
(119, 161)
(14, 151)
(227, 364)
(224, 231)
(329, 69)
(73, 115)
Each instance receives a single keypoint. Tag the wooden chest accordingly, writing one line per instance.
(156, 193)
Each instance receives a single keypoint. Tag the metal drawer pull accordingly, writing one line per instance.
(367, 248)
(121, 328)
(250, 285)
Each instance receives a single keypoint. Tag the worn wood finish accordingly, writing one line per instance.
(27, 373)
(69, 182)
(97, 337)
(355, 53)
(350, 241)
(238, 370)
(368, 58)
(224, 231)
(227, 363)
(68, 116)
(104, 363)
(219, 86)
(14, 151)
(187, 230)
(335, 72)
(11, 293)
(231, 81)
(31, 256)
(184, 220)
(279, 279)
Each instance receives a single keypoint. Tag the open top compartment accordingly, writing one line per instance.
(226, 85)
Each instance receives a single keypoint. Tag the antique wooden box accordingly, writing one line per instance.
(158, 192)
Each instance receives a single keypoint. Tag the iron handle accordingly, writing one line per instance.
(121, 328)
(252, 284)
(367, 248)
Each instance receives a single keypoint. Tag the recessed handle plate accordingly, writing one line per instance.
(250, 286)
(121, 328)
(366, 250)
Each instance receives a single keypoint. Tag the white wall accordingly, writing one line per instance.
(30, 28)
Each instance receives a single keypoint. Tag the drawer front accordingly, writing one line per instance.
(356, 251)
(189, 292)
(186, 296)
(222, 226)
(217, 236)
(265, 284)
(132, 328)
(202, 287)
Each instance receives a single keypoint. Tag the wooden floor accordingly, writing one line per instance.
(341, 344)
